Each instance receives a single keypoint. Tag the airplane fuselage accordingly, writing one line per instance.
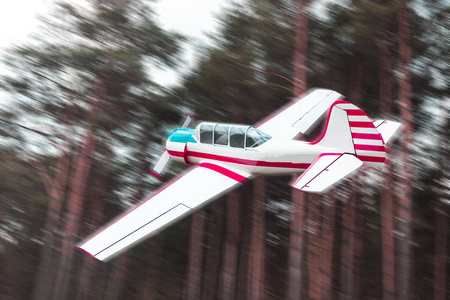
(272, 156)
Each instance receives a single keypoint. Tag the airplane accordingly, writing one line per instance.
(224, 156)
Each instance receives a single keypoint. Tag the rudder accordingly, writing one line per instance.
(350, 130)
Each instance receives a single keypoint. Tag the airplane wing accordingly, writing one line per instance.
(300, 115)
(325, 171)
(178, 199)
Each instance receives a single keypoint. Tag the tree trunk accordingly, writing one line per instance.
(387, 236)
(230, 258)
(75, 206)
(339, 74)
(213, 252)
(387, 197)
(296, 245)
(314, 247)
(82, 167)
(96, 209)
(441, 222)
(359, 246)
(56, 187)
(194, 274)
(255, 289)
(116, 282)
(347, 279)
(358, 80)
(244, 252)
(301, 48)
(326, 258)
(150, 291)
(406, 182)
(440, 252)
(45, 276)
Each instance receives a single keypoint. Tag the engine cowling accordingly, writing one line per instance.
(177, 143)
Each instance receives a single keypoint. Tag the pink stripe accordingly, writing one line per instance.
(258, 163)
(361, 124)
(340, 101)
(371, 158)
(355, 112)
(175, 153)
(249, 162)
(370, 147)
(366, 136)
(224, 171)
(185, 155)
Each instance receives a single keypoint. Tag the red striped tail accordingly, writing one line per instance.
(350, 130)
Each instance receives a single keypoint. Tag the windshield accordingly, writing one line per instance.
(254, 138)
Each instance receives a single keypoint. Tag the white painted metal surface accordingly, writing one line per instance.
(386, 128)
(225, 160)
(299, 115)
(325, 171)
(176, 200)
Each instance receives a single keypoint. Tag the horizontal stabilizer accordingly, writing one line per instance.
(326, 170)
(386, 128)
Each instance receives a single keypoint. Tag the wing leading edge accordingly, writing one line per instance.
(176, 200)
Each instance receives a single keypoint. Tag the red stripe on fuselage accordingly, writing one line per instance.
(175, 153)
(241, 161)
(258, 163)
(224, 171)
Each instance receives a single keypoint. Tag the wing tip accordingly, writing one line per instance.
(85, 251)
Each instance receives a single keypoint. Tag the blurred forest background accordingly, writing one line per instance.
(86, 118)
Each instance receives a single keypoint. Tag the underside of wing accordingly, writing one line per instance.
(171, 203)
(326, 170)
(299, 116)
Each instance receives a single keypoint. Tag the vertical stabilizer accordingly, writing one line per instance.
(350, 130)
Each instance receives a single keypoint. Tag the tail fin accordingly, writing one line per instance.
(350, 130)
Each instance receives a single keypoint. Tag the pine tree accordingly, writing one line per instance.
(100, 76)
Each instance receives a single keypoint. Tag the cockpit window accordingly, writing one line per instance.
(221, 134)
(254, 138)
(237, 136)
(206, 133)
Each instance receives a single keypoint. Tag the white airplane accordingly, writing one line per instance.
(226, 155)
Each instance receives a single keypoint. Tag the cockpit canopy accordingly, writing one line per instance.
(237, 136)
